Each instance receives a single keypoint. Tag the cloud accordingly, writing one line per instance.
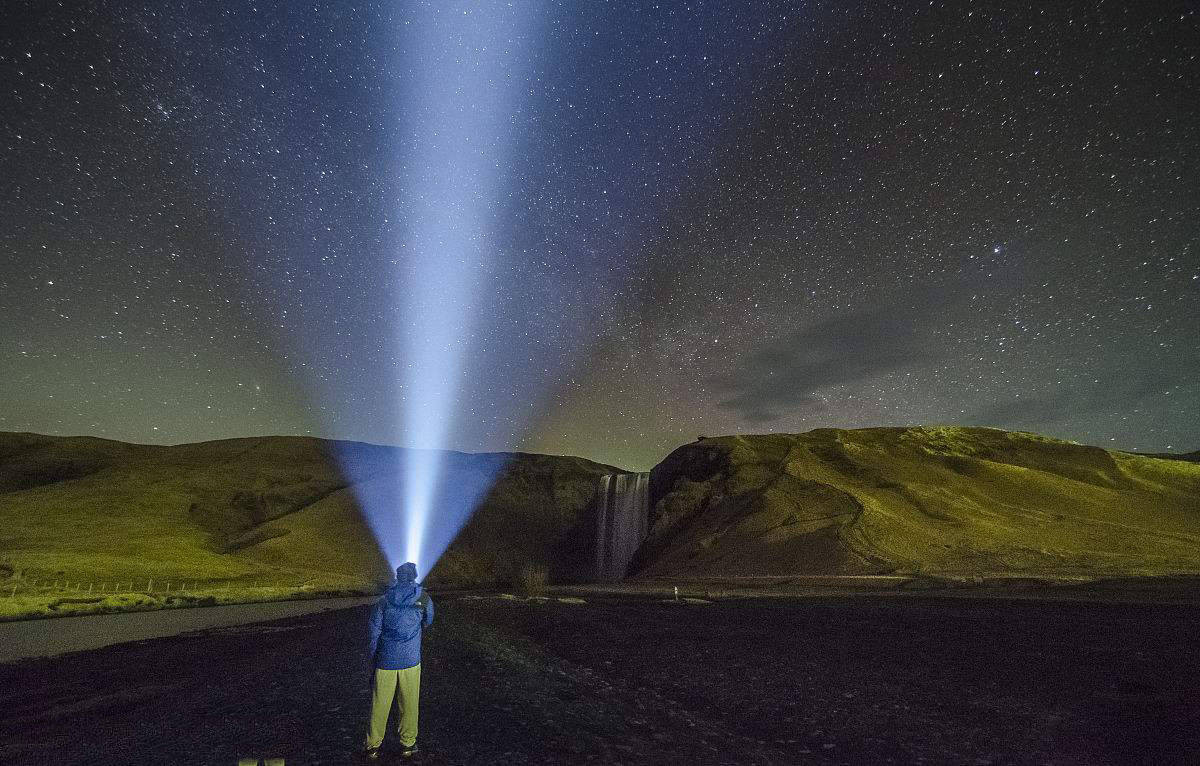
(786, 373)
(1071, 401)
(1035, 410)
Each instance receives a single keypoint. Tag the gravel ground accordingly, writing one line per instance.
(847, 680)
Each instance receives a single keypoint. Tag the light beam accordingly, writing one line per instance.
(466, 63)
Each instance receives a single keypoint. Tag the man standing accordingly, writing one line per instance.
(395, 651)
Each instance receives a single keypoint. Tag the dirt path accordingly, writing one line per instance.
(853, 680)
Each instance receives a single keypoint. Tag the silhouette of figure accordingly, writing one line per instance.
(395, 652)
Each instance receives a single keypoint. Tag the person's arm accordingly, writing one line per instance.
(428, 609)
(374, 627)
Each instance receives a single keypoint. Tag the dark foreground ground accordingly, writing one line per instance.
(855, 680)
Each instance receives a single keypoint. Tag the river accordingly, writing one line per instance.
(58, 635)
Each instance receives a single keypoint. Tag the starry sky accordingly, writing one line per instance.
(714, 217)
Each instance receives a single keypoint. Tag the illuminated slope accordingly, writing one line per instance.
(937, 500)
(272, 510)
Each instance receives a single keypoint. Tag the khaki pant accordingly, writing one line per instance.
(405, 687)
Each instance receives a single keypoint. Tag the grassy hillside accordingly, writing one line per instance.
(252, 519)
(1191, 457)
(922, 500)
(273, 514)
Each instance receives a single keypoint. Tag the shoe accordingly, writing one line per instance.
(371, 754)
(409, 751)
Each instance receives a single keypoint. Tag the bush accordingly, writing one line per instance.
(531, 580)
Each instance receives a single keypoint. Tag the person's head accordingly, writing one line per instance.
(406, 572)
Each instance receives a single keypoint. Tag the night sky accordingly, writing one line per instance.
(715, 217)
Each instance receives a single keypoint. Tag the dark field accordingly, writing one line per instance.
(864, 679)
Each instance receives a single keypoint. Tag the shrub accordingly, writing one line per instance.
(531, 580)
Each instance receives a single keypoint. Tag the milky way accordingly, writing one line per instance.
(711, 220)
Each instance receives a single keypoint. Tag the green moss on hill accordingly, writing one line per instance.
(935, 500)
(272, 516)
(275, 512)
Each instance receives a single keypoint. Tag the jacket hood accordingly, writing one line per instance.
(404, 594)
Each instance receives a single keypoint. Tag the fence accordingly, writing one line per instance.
(149, 586)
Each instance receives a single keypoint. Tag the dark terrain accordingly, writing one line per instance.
(864, 679)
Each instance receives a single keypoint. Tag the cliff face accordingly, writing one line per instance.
(273, 510)
(935, 500)
(539, 511)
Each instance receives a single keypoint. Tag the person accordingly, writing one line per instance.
(395, 652)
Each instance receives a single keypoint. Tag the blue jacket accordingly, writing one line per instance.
(395, 626)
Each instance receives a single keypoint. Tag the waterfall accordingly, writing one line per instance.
(622, 522)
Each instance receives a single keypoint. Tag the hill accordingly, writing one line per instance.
(918, 500)
(139, 526)
(257, 517)
(1191, 457)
